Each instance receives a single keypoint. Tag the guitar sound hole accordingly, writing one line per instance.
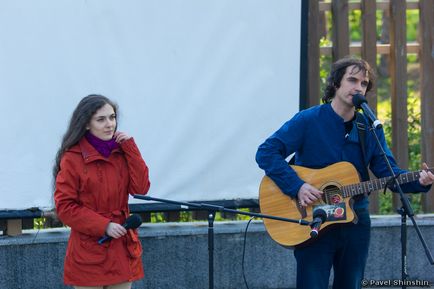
(332, 195)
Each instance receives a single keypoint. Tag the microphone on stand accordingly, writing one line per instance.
(132, 222)
(360, 101)
(319, 217)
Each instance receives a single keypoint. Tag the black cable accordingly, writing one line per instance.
(244, 251)
(36, 235)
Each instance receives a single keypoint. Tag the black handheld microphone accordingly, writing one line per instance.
(360, 101)
(132, 222)
(319, 217)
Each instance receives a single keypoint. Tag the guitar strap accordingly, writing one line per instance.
(292, 160)
(361, 129)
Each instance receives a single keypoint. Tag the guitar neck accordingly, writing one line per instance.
(378, 184)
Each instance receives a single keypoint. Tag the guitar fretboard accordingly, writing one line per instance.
(378, 184)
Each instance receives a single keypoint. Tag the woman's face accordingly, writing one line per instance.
(103, 123)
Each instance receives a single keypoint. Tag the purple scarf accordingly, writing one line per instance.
(104, 147)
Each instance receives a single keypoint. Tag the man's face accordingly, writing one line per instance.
(354, 81)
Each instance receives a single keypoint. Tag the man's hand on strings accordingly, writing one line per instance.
(426, 177)
(308, 194)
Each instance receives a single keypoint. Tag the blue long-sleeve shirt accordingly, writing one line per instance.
(317, 137)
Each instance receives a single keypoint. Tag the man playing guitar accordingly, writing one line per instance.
(321, 136)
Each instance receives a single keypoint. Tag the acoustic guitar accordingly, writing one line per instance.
(339, 182)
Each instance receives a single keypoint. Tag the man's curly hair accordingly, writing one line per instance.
(338, 71)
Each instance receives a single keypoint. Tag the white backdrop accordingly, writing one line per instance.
(200, 85)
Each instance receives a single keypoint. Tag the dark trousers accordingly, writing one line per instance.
(343, 247)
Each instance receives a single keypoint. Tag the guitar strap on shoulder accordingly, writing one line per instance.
(361, 129)
(292, 160)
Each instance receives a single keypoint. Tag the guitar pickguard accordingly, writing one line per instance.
(335, 212)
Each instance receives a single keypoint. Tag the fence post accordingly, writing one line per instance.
(172, 216)
(340, 29)
(369, 53)
(313, 81)
(14, 227)
(398, 74)
(426, 60)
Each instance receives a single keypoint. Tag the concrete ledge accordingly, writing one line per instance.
(176, 256)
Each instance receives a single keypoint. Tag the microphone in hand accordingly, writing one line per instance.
(319, 217)
(360, 101)
(132, 222)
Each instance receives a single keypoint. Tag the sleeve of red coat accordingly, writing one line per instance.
(68, 207)
(139, 174)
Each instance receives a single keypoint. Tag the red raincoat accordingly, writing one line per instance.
(92, 191)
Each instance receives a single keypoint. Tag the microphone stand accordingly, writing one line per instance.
(404, 211)
(212, 209)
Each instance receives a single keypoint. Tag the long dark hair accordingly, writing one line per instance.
(80, 118)
(338, 71)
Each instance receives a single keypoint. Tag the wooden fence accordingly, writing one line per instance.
(398, 48)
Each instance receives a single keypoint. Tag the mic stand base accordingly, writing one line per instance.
(211, 218)
(404, 274)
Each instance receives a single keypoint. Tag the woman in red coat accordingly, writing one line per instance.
(96, 169)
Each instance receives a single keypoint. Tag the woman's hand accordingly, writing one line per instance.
(115, 230)
(120, 136)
